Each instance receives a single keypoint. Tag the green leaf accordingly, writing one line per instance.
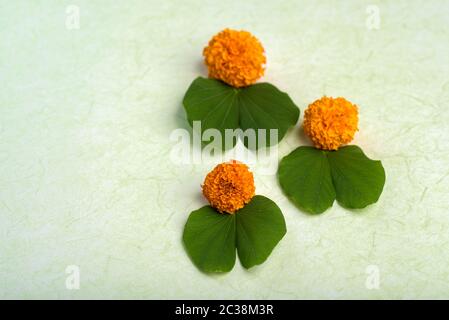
(305, 178)
(209, 238)
(358, 180)
(312, 179)
(214, 104)
(260, 226)
(263, 106)
(259, 106)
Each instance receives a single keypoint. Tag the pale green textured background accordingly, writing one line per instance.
(85, 173)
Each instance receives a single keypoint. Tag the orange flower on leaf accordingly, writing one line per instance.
(229, 186)
(331, 123)
(235, 57)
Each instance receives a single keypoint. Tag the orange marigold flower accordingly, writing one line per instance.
(229, 186)
(235, 57)
(331, 122)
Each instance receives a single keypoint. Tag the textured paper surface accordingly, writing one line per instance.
(86, 177)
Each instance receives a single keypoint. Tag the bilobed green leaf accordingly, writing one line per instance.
(312, 179)
(209, 238)
(305, 178)
(358, 180)
(260, 225)
(259, 106)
